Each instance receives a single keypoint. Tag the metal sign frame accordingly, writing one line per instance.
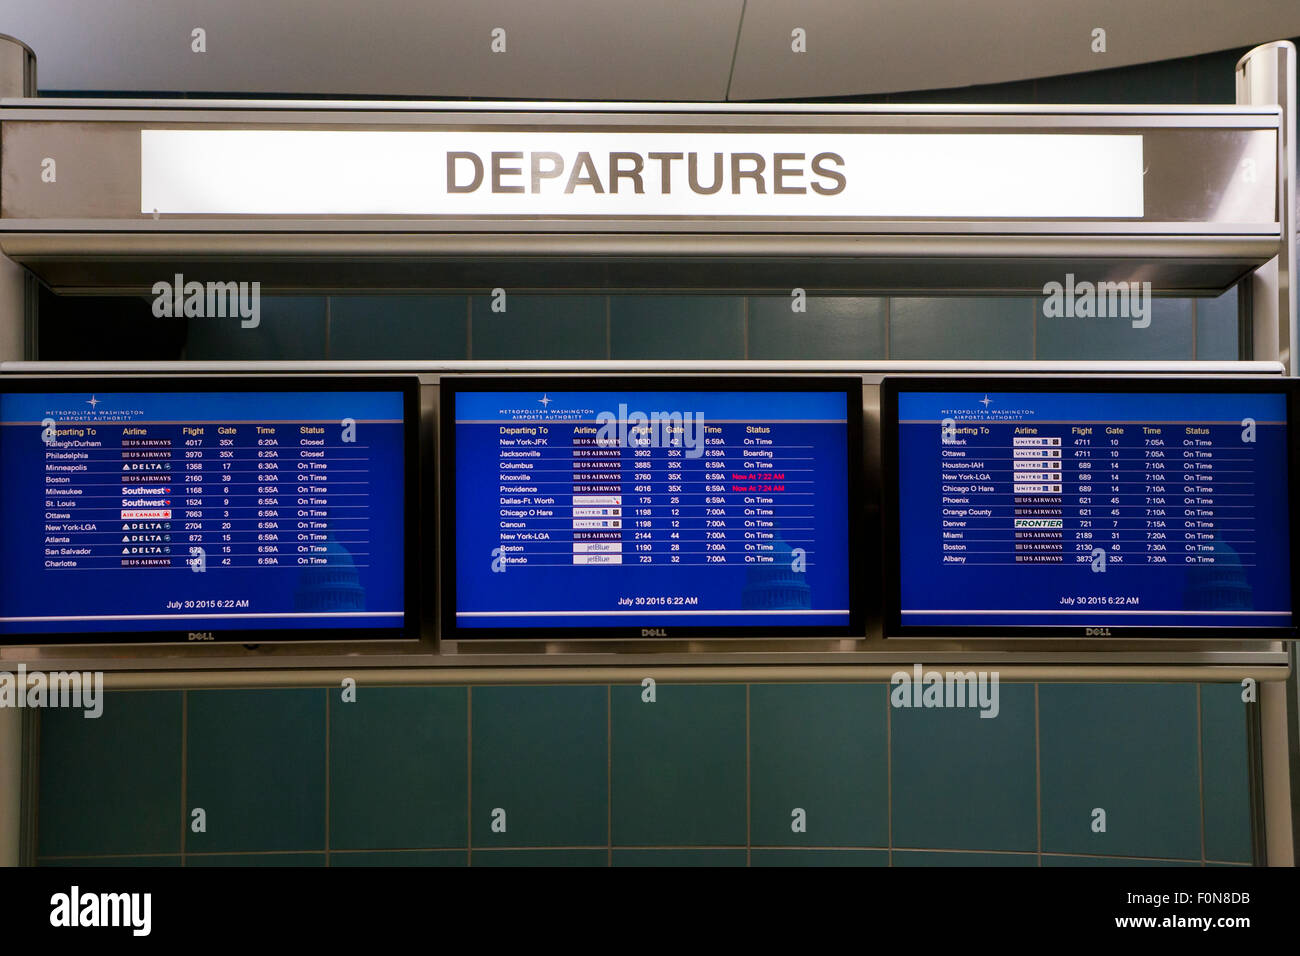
(432, 651)
(88, 253)
(90, 235)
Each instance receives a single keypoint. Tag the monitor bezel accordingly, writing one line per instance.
(891, 543)
(409, 388)
(450, 385)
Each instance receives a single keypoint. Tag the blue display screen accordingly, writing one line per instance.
(1091, 509)
(663, 510)
(201, 512)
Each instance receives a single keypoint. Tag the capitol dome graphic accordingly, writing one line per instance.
(775, 585)
(332, 586)
(1221, 586)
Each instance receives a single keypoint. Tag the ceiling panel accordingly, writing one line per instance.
(557, 49)
(612, 49)
(891, 46)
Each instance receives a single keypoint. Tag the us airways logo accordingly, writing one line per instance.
(210, 300)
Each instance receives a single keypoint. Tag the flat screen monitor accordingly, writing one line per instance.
(1088, 507)
(650, 507)
(189, 509)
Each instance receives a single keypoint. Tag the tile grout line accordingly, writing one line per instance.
(1038, 773)
(889, 323)
(749, 811)
(889, 774)
(216, 853)
(327, 776)
(1200, 767)
(609, 770)
(185, 770)
(1033, 336)
(33, 754)
(1195, 322)
(396, 851)
(745, 331)
(469, 326)
(469, 775)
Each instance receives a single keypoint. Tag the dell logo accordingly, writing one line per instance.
(1097, 631)
(200, 636)
(654, 632)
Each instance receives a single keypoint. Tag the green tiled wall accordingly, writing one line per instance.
(593, 775)
(562, 326)
(707, 775)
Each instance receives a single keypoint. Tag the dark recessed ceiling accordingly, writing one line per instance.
(612, 49)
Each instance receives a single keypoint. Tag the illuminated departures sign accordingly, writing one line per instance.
(499, 173)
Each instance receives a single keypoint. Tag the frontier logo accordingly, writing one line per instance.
(76, 909)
